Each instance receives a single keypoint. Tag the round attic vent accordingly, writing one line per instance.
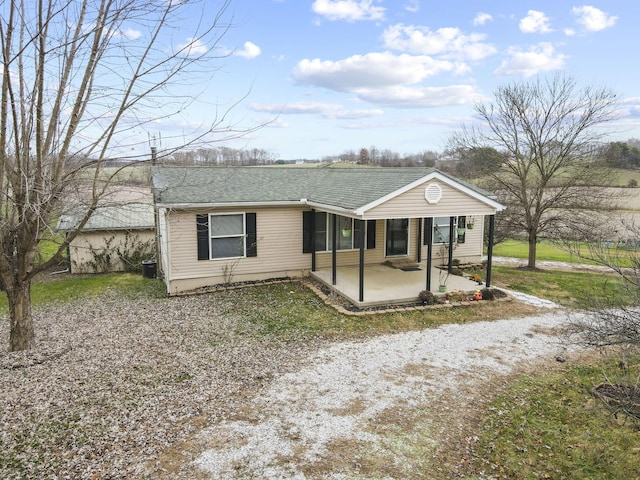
(433, 193)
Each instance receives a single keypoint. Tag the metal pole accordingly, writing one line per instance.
(313, 240)
(429, 239)
(450, 259)
(492, 219)
(363, 224)
(334, 272)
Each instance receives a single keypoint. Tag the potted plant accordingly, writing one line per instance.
(443, 278)
(470, 222)
(346, 229)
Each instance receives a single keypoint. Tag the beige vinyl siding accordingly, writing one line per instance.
(279, 246)
(85, 247)
(413, 204)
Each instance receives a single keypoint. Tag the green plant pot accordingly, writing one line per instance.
(442, 288)
(346, 233)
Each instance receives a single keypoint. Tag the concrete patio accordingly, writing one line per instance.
(385, 285)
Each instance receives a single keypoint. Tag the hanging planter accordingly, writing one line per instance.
(346, 233)
(469, 226)
(461, 231)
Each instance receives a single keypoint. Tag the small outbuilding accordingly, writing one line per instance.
(117, 237)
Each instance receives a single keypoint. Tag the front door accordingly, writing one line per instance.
(397, 237)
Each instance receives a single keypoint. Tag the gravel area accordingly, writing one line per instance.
(115, 382)
(185, 388)
(300, 419)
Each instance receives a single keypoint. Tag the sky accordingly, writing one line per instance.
(328, 76)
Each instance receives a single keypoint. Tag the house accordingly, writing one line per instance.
(219, 225)
(115, 238)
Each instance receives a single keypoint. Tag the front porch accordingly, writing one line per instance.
(385, 285)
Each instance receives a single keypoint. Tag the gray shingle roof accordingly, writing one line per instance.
(348, 188)
(131, 216)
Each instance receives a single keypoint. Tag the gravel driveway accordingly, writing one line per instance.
(307, 417)
(184, 388)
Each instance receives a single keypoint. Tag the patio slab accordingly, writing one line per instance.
(384, 285)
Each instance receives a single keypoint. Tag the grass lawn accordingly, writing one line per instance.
(545, 251)
(549, 426)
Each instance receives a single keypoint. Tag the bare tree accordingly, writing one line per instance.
(549, 132)
(80, 79)
(609, 319)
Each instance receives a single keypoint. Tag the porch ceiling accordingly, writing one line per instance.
(384, 285)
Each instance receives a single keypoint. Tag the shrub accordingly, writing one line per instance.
(487, 294)
(427, 298)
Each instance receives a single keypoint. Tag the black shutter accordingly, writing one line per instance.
(307, 231)
(202, 229)
(371, 234)
(252, 235)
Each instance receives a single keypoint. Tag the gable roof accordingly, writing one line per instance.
(351, 189)
(130, 216)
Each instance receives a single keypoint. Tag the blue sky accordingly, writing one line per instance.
(403, 75)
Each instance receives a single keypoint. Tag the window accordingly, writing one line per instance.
(348, 232)
(442, 226)
(226, 235)
(462, 229)
(441, 229)
(345, 233)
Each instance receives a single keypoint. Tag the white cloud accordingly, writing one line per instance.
(448, 42)
(348, 10)
(326, 110)
(386, 79)
(249, 50)
(539, 58)
(131, 34)
(412, 6)
(481, 18)
(373, 70)
(593, 19)
(422, 97)
(193, 46)
(535, 22)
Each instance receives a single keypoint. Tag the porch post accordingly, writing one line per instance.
(313, 240)
(363, 224)
(419, 255)
(450, 259)
(429, 239)
(334, 249)
(492, 220)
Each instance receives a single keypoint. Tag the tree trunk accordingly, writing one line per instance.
(22, 336)
(533, 245)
